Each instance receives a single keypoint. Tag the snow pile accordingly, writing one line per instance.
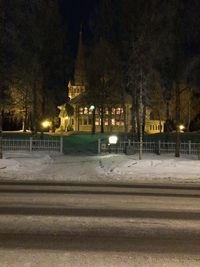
(102, 168)
(151, 167)
(17, 163)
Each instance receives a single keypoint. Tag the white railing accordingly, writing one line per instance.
(33, 144)
(152, 147)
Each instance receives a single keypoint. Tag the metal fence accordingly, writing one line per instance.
(33, 144)
(151, 147)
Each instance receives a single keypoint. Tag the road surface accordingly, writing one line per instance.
(99, 225)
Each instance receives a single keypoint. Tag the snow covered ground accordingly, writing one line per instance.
(101, 168)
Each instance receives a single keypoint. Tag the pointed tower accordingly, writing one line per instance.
(79, 73)
(77, 86)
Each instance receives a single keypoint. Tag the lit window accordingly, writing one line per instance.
(113, 121)
(97, 122)
(85, 111)
(117, 110)
(80, 110)
(106, 111)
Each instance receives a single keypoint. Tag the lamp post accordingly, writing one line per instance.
(45, 124)
(92, 108)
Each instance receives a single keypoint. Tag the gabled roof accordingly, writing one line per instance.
(80, 99)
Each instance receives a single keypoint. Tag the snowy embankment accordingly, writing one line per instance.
(103, 168)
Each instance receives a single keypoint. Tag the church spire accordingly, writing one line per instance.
(79, 73)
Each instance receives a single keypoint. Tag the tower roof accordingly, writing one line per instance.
(79, 72)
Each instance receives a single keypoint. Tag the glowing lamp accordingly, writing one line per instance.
(92, 107)
(181, 127)
(46, 124)
(113, 139)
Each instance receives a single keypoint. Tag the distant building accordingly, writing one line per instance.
(86, 118)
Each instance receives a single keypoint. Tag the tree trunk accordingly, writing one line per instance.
(144, 118)
(141, 116)
(125, 114)
(102, 119)
(177, 151)
(125, 118)
(1, 133)
(135, 112)
(167, 122)
(93, 120)
(34, 130)
(110, 119)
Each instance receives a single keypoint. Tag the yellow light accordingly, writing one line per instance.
(46, 124)
(181, 127)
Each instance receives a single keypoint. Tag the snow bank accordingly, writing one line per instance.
(103, 168)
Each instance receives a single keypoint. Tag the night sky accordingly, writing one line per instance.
(75, 13)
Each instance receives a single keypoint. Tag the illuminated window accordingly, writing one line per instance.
(97, 122)
(113, 121)
(113, 111)
(106, 121)
(80, 110)
(85, 110)
(117, 110)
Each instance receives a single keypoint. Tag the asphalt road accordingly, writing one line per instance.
(99, 225)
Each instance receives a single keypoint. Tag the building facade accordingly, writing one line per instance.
(88, 118)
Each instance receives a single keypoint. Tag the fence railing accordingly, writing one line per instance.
(152, 147)
(33, 144)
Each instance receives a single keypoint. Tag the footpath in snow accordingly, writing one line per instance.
(102, 168)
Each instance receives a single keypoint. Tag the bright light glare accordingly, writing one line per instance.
(113, 139)
(46, 124)
(181, 127)
(92, 107)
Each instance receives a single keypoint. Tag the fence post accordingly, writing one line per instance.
(189, 147)
(99, 146)
(158, 148)
(31, 144)
(61, 144)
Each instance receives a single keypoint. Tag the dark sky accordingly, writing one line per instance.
(75, 13)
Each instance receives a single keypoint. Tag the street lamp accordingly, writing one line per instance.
(92, 108)
(181, 128)
(46, 124)
(113, 140)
